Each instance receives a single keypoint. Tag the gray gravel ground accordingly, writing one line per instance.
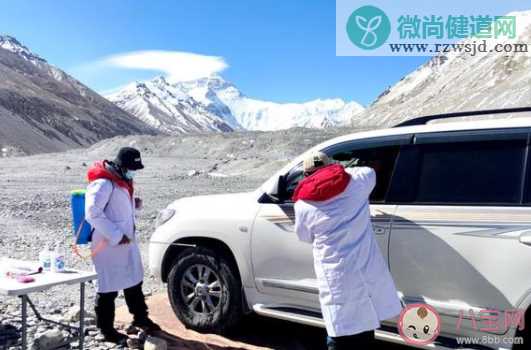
(34, 193)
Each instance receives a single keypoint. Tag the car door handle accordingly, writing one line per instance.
(525, 238)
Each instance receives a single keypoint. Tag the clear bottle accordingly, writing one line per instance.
(45, 259)
(58, 259)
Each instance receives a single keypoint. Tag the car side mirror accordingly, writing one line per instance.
(278, 193)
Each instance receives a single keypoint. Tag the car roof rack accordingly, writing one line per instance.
(427, 118)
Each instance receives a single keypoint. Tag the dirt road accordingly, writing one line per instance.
(254, 333)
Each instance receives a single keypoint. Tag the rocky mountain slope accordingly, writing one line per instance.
(166, 108)
(459, 82)
(214, 104)
(43, 109)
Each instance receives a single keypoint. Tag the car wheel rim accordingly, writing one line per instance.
(201, 289)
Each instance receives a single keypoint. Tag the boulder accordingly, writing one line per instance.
(48, 340)
(154, 343)
(72, 315)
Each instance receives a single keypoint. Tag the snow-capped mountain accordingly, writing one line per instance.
(167, 108)
(215, 104)
(459, 82)
(43, 109)
(254, 114)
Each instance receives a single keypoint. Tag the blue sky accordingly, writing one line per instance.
(280, 50)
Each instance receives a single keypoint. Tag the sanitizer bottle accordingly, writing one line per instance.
(45, 259)
(58, 259)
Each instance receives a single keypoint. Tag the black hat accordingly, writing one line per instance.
(129, 158)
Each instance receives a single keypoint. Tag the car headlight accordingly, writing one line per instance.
(164, 216)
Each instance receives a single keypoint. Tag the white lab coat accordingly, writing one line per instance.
(356, 290)
(118, 266)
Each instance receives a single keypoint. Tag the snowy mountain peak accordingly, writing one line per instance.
(9, 43)
(215, 82)
(142, 88)
(211, 85)
(160, 81)
(166, 107)
(160, 104)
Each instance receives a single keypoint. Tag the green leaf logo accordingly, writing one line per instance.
(368, 27)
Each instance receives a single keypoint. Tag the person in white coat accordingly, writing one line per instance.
(356, 290)
(110, 210)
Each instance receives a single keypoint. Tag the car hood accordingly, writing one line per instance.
(216, 205)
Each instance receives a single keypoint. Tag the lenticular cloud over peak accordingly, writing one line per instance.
(178, 65)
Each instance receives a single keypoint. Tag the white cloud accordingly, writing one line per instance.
(177, 65)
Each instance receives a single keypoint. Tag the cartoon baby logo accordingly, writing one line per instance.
(419, 324)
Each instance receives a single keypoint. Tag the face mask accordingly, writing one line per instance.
(130, 174)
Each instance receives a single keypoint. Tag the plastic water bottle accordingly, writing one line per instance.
(58, 259)
(45, 259)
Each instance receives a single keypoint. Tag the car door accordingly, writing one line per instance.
(455, 237)
(283, 265)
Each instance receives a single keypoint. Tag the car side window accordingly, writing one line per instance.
(453, 173)
(291, 180)
(381, 159)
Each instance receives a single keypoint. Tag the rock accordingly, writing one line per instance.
(72, 315)
(48, 339)
(192, 173)
(154, 343)
(90, 321)
(133, 343)
(91, 328)
(109, 345)
(9, 335)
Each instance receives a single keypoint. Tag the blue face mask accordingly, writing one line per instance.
(130, 174)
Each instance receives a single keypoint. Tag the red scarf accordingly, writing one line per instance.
(324, 184)
(99, 171)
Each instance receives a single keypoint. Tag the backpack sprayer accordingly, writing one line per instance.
(83, 231)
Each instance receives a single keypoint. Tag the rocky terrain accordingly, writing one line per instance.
(34, 192)
(459, 82)
(43, 109)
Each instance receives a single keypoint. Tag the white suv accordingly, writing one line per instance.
(451, 212)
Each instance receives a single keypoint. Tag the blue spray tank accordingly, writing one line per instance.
(82, 229)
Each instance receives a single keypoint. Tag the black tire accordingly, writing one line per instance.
(228, 308)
